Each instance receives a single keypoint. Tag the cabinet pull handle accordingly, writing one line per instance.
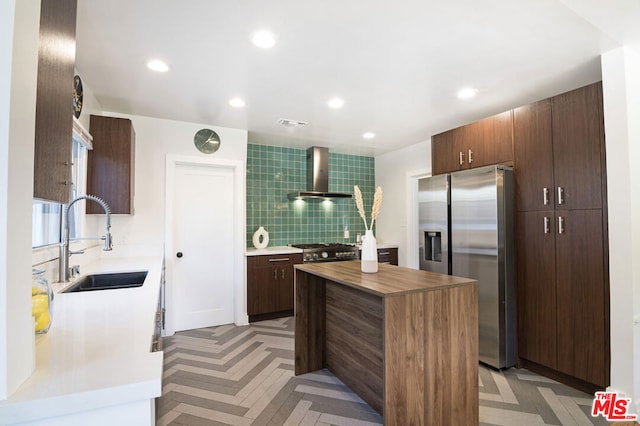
(384, 253)
(560, 195)
(282, 273)
(275, 274)
(470, 157)
(461, 158)
(284, 259)
(545, 196)
(560, 225)
(546, 225)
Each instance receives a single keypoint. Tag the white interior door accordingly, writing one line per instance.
(203, 264)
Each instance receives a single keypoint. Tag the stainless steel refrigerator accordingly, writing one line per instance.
(467, 229)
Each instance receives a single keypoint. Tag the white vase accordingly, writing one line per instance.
(261, 238)
(369, 257)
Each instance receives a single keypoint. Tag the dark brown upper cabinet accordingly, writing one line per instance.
(533, 156)
(54, 101)
(578, 135)
(110, 171)
(559, 151)
(443, 153)
(481, 143)
(498, 136)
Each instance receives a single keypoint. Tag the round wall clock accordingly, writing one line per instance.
(207, 141)
(77, 96)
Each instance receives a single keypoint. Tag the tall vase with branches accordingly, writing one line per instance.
(369, 256)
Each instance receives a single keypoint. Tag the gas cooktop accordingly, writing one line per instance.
(327, 252)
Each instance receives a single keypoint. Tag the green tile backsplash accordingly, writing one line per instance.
(273, 172)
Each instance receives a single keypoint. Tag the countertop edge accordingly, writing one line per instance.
(459, 281)
(269, 251)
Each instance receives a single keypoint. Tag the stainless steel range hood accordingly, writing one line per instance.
(317, 177)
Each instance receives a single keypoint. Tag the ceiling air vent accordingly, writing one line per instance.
(291, 123)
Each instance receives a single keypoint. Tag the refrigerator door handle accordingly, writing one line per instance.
(560, 225)
(546, 225)
(545, 196)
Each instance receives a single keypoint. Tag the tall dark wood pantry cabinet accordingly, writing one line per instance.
(561, 237)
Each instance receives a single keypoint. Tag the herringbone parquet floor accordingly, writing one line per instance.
(232, 375)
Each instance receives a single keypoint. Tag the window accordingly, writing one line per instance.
(47, 216)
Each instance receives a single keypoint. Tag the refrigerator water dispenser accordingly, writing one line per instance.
(433, 246)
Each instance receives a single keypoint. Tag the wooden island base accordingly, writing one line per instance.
(405, 341)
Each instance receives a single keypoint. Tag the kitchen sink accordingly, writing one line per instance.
(108, 281)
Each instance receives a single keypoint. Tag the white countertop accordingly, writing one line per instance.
(289, 250)
(271, 251)
(97, 351)
(384, 246)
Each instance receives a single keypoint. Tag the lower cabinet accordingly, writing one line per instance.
(388, 256)
(563, 315)
(270, 286)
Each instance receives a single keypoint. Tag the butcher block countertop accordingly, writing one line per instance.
(388, 281)
(404, 340)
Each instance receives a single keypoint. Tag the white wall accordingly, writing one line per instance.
(18, 79)
(396, 173)
(621, 87)
(143, 232)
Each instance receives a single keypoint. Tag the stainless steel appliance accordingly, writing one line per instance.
(317, 177)
(467, 230)
(327, 252)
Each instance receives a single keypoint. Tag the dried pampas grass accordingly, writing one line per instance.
(375, 209)
(360, 205)
(377, 203)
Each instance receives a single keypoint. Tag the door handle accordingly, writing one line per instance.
(545, 196)
(560, 195)
(461, 158)
(470, 157)
(179, 254)
(560, 225)
(546, 225)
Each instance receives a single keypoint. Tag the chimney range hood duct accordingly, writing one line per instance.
(317, 177)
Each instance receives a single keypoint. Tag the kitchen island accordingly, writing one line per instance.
(405, 340)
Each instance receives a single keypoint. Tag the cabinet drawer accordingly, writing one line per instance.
(389, 256)
(265, 261)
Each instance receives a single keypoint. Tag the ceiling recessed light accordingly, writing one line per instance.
(467, 92)
(369, 135)
(335, 103)
(157, 65)
(264, 39)
(237, 103)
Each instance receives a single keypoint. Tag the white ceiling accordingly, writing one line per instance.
(397, 64)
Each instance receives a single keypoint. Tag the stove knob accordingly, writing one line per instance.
(315, 255)
(325, 255)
